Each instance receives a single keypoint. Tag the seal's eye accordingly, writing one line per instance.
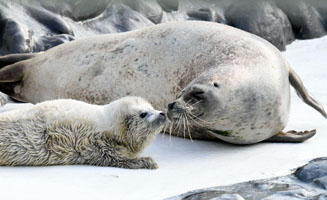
(216, 85)
(144, 114)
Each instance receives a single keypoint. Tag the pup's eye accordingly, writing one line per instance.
(142, 115)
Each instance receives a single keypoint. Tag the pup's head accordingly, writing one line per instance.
(135, 121)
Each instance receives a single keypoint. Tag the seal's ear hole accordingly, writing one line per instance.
(216, 85)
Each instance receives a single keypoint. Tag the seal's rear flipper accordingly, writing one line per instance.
(303, 93)
(13, 58)
(12, 73)
(292, 136)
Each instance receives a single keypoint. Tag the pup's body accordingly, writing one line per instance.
(67, 132)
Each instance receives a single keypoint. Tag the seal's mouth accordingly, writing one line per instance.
(224, 133)
(176, 116)
(177, 110)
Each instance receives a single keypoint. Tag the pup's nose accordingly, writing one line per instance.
(171, 105)
(162, 115)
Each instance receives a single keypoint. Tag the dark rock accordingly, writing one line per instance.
(169, 5)
(292, 187)
(44, 43)
(305, 19)
(117, 17)
(207, 14)
(78, 10)
(14, 37)
(49, 20)
(321, 7)
(150, 9)
(37, 30)
(25, 25)
(262, 18)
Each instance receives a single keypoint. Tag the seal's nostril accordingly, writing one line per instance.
(171, 105)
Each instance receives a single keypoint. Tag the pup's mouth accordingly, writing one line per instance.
(161, 119)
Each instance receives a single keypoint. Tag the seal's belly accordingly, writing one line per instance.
(254, 116)
(244, 137)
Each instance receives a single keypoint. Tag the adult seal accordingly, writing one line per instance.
(230, 84)
(70, 132)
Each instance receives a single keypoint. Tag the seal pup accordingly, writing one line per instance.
(70, 132)
(158, 62)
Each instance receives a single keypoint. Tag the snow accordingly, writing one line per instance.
(186, 165)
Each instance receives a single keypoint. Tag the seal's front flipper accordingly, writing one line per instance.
(292, 136)
(14, 58)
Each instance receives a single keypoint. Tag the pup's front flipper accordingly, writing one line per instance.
(138, 163)
(292, 136)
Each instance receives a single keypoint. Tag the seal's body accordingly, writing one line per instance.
(158, 62)
(68, 132)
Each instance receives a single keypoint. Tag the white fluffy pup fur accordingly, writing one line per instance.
(74, 132)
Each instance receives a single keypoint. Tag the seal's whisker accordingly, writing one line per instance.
(188, 127)
(165, 129)
(188, 101)
(176, 123)
(196, 103)
(170, 130)
(179, 124)
(193, 118)
(204, 121)
(184, 124)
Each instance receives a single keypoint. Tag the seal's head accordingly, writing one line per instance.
(230, 106)
(134, 121)
(199, 103)
(204, 103)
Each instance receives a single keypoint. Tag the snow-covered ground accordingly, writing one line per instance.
(186, 165)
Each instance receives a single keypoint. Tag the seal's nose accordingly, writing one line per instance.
(171, 105)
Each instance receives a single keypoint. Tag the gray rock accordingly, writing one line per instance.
(321, 182)
(316, 168)
(308, 182)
